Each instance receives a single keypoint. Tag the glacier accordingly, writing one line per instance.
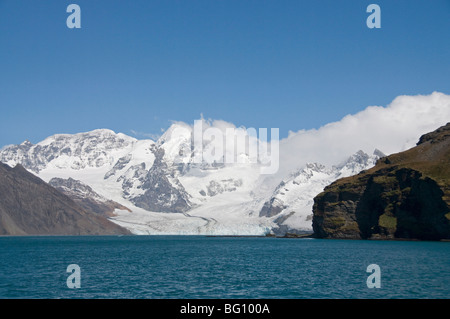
(166, 192)
(160, 188)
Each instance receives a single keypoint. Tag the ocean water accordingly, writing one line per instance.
(193, 267)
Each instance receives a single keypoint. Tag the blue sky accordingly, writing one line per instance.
(134, 66)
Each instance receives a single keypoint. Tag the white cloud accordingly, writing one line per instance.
(391, 129)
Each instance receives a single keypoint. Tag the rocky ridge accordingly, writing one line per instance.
(290, 206)
(405, 195)
(29, 206)
(86, 197)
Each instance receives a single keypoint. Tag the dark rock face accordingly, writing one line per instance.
(389, 204)
(29, 206)
(121, 163)
(271, 208)
(86, 197)
(163, 191)
(406, 195)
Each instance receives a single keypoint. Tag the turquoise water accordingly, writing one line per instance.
(195, 267)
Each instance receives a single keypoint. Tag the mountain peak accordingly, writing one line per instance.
(440, 134)
(102, 131)
(177, 131)
(26, 143)
(378, 153)
(97, 133)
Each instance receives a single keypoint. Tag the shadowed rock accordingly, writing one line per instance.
(406, 195)
(29, 206)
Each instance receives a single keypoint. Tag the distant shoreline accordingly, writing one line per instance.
(289, 236)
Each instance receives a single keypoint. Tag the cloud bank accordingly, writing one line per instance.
(391, 129)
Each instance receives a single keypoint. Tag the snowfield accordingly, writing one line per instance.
(169, 192)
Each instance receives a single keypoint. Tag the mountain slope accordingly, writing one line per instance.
(406, 195)
(292, 201)
(86, 197)
(29, 206)
(154, 180)
(169, 192)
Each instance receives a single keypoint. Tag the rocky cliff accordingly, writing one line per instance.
(291, 203)
(29, 206)
(405, 195)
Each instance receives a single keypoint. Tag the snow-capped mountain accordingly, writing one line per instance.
(168, 192)
(64, 151)
(290, 205)
(170, 189)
